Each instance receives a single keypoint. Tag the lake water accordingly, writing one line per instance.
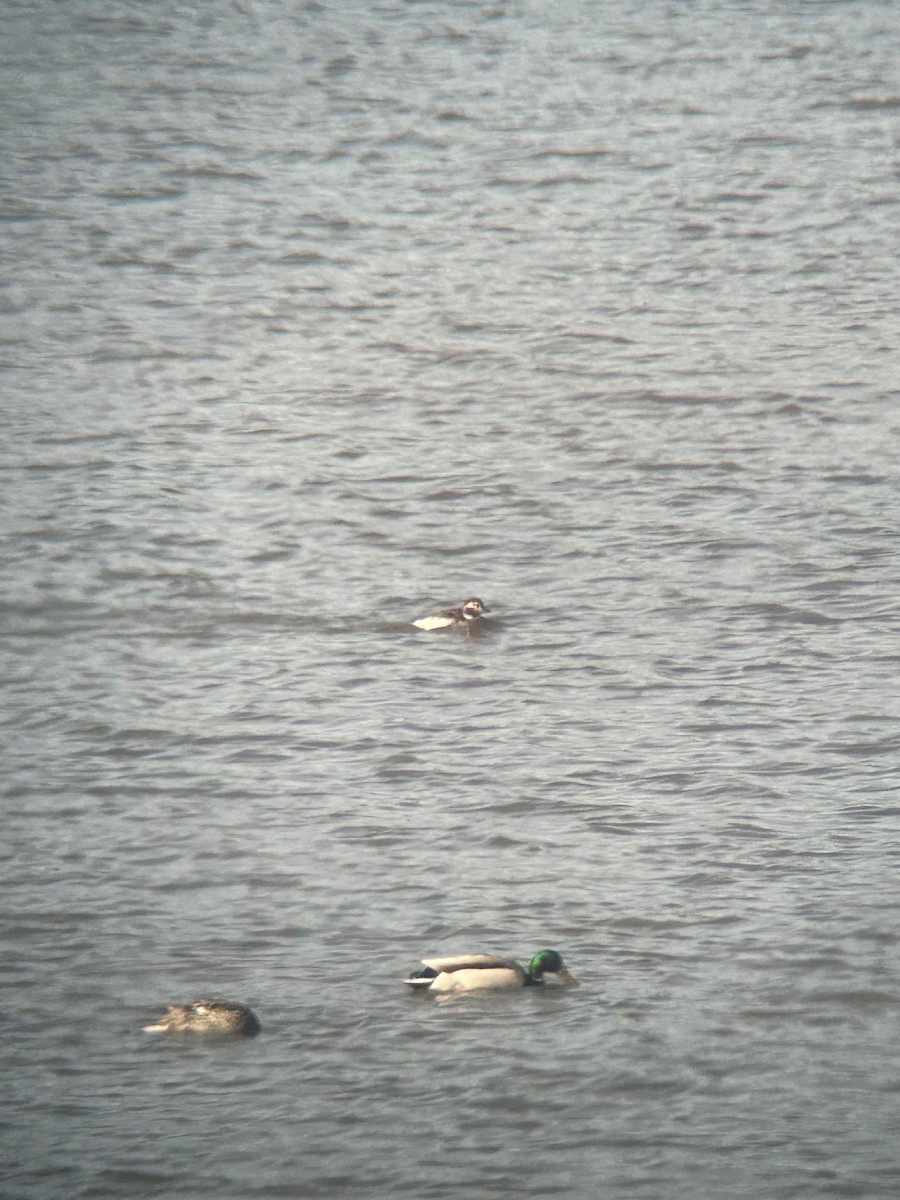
(319, 316)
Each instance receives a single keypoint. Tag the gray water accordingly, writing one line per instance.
(316, 317)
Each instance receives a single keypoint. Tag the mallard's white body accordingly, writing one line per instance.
(466, 972)
(471, 972)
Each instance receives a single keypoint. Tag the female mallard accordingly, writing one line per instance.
(468, 972)
(208, 1016)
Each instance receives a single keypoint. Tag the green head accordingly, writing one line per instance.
(549, 961)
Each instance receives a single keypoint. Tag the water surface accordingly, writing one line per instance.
(315, 318)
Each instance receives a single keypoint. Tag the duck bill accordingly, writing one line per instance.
(568, 979)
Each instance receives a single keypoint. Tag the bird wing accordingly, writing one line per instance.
(471, 962)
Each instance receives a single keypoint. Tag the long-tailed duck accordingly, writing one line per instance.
(469, 610)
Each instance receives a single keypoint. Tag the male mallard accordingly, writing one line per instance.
(468, 972)
(469, 610)
(208, 1016)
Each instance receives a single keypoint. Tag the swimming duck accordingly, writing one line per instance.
(469, 610)
(468, 972)
(208, 1016)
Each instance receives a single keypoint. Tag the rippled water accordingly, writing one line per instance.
(316, 317)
